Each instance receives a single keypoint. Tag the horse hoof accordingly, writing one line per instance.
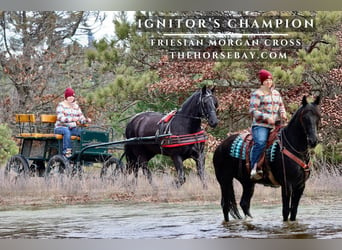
(178, 183)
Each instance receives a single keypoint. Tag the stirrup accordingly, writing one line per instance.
(68, 153)
(256, 174)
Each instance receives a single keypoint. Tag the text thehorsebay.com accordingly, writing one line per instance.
(223, 38)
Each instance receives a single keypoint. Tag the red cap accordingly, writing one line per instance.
(69, 92)
(264, 75)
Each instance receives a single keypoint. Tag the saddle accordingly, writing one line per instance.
(248, 140)
(262, 163)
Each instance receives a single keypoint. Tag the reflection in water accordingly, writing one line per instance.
(158, 221)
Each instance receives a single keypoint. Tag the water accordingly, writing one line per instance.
(168, 221)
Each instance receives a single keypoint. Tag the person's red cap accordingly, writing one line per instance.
(69, 92)
(264, 75)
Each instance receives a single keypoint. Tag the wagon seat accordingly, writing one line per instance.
(28, 127)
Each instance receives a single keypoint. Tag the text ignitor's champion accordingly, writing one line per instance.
(175, 24)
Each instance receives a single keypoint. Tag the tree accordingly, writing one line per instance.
(130, 66)
(311, 69)
(7, 147)
(40, 55)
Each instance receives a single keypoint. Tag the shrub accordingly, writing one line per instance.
(7, 146)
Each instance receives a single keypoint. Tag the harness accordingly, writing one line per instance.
(172, 141)
(186, 139)
(183, 140)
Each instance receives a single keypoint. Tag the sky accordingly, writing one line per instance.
(106, 30)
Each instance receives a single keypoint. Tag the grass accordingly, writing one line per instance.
(37, 191)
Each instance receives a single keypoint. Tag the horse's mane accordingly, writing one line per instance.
(308, 106)
(190, 100)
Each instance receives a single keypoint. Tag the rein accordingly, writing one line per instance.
(202, 109)
(189, 116)
(289, 154)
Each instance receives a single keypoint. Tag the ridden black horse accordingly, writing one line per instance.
(187, 120)
(297, 137)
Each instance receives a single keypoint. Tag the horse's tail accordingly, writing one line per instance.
(224, 174)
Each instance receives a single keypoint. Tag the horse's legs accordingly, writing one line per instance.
(200, 164)
(296, 195)
(147, 172)
(199, 157)
(178, 162)
(286, 191)
(247, 193)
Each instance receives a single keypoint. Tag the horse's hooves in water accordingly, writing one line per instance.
(225, 223)
(248, 216)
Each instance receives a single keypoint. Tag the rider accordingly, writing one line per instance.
(266, 107)
(69, 115)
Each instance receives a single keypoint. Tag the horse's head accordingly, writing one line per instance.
(309, 117)
(209, 105)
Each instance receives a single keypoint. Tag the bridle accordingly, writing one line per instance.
(283, 135)
(203, 110)
(305, 164)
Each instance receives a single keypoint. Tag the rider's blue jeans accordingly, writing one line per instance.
(67, 133)
(260, 135)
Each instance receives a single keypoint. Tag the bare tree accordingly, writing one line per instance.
(40, 49)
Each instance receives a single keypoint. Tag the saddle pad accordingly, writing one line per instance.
(271, 151)
(239, 147)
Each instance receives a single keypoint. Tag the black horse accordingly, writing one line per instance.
(187, 120)
(289, 172)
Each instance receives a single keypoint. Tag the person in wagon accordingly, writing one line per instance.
(266, 108)
(69, 114)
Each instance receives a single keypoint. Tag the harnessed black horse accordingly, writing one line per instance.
(288, 164)
(186, 121)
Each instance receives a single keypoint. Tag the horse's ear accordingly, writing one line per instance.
(213, 89)
(204, 90)
(304, 101)
(318, 100)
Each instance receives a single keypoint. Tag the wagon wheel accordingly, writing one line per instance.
(16, 167)
(112, 169)
(57, 165)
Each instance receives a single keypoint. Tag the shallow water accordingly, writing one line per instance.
(168, 221)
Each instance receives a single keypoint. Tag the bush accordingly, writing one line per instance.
(7, 146)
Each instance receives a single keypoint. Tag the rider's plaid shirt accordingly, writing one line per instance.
(67, 114)
(266, 105)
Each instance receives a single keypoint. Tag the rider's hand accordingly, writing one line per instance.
(88, 120)
(270, 121)
(284, 119)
